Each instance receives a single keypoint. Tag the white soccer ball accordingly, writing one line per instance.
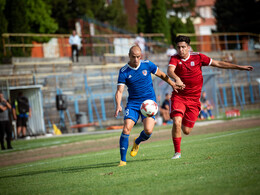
(149, 108)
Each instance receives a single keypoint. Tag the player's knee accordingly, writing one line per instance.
(177, 123)
(148, 131)
(186, 130)
(126, 131)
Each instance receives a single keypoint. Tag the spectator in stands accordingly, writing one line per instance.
(5, 126)
(171, 51)
(75, 43)
(140, 41)
(206, 107)
(165, 108)
(21, 113)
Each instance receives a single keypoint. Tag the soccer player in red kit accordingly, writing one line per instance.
(185, 69)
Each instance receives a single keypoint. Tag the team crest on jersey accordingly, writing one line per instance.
(144, 72)
(192, 63)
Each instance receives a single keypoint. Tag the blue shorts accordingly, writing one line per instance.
(132, 112)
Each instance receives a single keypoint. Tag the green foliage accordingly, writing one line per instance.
(177, 27)
(3, 27)
(243, 17)
(97, 9)
(143, 18)
(39, 17)
(28, 16)
(190, 29)
(159, 22)
(115, 14)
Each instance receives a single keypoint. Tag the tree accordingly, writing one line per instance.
(159, 22)
(15, 12)
(177, 26)
(3, 26)
(143, 18)
(39, 17)
(237, 16)
(116, 15)
(28, 16)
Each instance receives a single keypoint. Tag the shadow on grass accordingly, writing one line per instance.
(74, 169)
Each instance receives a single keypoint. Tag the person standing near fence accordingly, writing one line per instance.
(185, 69)
(140, 41)
(21, 113)
(5, 126)
(75, 43)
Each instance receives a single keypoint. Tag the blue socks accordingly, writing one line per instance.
(123, 142)
(142, 137)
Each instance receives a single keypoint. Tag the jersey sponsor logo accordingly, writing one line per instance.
(144, 72)
(192, 63)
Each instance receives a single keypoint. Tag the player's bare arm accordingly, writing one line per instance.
(171, 73)
(2, 108)
(118, 97)
(227, 65)
(167, 79)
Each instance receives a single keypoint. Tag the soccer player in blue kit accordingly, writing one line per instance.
(136, 75)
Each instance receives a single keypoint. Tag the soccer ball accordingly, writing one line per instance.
(149, 108)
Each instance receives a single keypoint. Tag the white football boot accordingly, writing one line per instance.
(176, 155)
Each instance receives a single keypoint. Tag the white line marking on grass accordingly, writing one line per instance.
(87, 155)
(208, 138)
(229, 134)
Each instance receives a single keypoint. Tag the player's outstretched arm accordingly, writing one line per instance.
(167, 79)
(171, 73)
(118, 97)
(227, 65)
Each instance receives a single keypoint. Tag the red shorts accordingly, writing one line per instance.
(186, 108)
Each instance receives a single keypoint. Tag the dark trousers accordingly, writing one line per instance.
(5, 128)
(74, 48)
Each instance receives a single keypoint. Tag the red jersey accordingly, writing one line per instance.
(190, 73)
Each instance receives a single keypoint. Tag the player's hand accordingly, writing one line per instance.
(180, 84)
(248, 68)
(175, 88)
(118, 109)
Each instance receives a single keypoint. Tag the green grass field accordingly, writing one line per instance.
(219, 163)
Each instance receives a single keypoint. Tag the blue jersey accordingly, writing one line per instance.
(138, 81)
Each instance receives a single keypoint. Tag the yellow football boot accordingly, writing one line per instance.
(122, 163)
(135, 149)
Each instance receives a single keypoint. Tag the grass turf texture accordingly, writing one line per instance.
(219, 163)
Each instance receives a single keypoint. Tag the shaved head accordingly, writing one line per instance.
(134, 49)
(135, 54)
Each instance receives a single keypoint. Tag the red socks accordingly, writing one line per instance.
(177, 144)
